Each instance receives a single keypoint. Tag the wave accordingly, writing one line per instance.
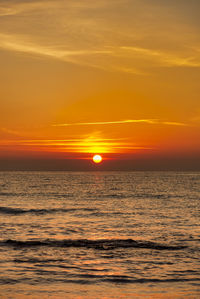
(95, 244)
(18, 211)
(94, 279)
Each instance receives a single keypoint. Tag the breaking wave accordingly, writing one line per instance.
(18, 211)
(95, 244)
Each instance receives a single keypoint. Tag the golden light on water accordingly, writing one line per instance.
(97, 159)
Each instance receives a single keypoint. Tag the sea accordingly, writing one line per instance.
(99, 235)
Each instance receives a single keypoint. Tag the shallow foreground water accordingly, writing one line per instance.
(99, 235)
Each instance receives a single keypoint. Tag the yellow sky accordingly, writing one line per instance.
(98, 76)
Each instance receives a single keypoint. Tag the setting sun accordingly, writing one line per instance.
(97, 159)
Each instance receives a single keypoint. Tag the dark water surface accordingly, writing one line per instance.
(99, 235)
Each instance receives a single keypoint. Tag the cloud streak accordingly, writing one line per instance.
(167, 59)
(11, 132)
(11, 8)
(14, 43)
(126, 121)
(25, 45)
(88, 145)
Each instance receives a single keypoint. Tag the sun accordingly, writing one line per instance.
(97, 159)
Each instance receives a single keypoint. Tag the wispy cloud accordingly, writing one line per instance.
(174, 123)
(15, 43)
(85, 57)
(164, 58)
(126, 121)
(11, 132)
(9, 8)
(84, 33)
(90, 144)
(24, 44)
(6, 11)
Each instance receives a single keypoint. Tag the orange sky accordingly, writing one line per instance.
(118, 78)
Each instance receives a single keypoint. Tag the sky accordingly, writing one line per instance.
(118, 78)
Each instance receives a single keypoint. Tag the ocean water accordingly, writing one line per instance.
(99, 235)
